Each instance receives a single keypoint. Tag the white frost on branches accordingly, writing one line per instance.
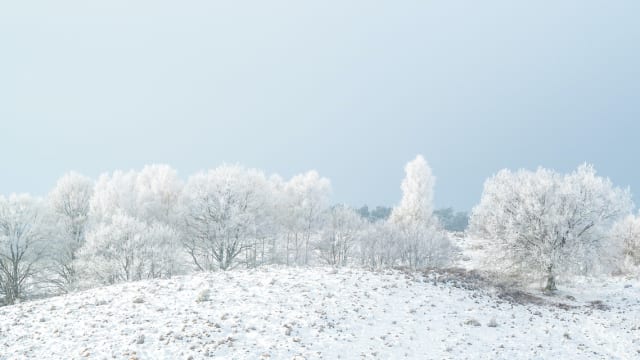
(547, 224)
(420, 240)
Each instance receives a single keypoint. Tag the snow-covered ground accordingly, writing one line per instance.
(289, 313)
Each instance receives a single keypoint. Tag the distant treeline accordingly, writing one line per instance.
(450, 219)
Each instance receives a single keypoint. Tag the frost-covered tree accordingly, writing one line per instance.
(222, 209)
(134, 229)
(421, 241)
(266, 228)
(626, 237)
(157, 190)
(25, 238)
(163, 251)
(114, 194)
(148, 200)
(341, 232)
(150, 195)
(378, 245)
(306, 198)
(69, 202)
(548, 224)
(115, 251)
(127, 249)
(272, 233)
(416, 205)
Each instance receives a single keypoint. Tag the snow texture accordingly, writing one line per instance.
(322, 313)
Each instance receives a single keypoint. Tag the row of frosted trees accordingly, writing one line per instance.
(135, 225)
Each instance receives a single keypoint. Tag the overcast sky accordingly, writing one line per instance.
(353, 89)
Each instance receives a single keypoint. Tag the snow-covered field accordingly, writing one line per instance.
(289, 313)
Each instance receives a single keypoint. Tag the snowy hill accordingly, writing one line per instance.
(276, 313)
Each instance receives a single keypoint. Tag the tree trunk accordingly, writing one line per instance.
(551, 280)
(288, 239)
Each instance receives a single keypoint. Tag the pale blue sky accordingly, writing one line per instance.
(352, 88)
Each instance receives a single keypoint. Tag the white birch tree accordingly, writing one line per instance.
(420, 239)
